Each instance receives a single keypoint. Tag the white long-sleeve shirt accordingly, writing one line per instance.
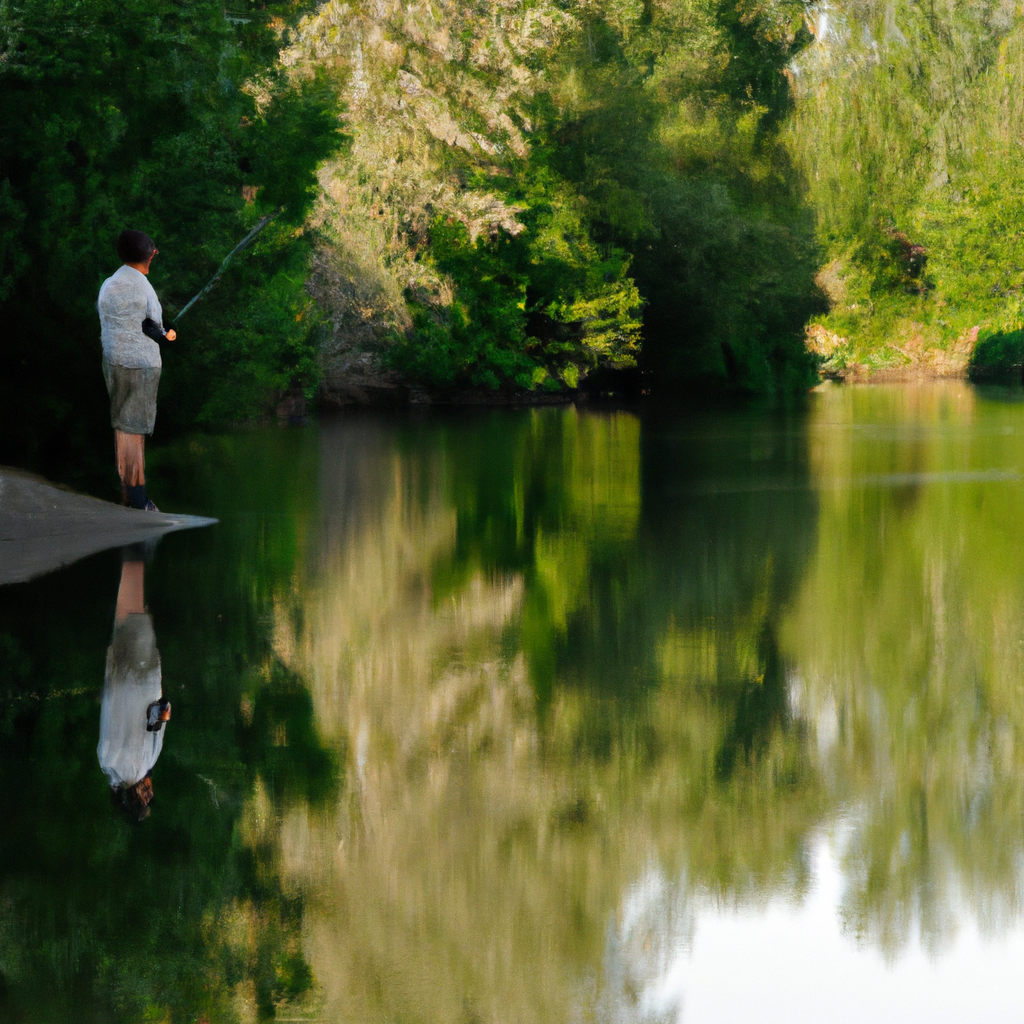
(127, 751)
(126, 299)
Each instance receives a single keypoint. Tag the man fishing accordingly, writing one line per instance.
(131, 327)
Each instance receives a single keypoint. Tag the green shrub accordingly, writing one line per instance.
(998, 355)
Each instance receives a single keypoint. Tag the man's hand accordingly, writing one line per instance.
(172, 334)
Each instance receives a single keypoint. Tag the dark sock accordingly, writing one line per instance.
(137, 496)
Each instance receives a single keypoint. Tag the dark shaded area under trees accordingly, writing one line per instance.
(133, 114)
(682, 166)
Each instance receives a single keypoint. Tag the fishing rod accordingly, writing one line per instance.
(243, 244)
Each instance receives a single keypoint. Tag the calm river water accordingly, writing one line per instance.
(541, 717)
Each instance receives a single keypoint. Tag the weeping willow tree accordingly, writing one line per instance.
(908, 124)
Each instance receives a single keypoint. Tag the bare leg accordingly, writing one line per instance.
(130, 451)
(130, 597)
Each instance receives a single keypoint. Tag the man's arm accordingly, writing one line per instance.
(153, 330)
(155, 317)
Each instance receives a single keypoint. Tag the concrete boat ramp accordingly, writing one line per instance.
(43, 527)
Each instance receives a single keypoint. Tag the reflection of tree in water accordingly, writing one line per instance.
(761, 710)
(613, 527)
(539, 659)
(182, 917)
(587, 672)
(907, 634)
(578, 693)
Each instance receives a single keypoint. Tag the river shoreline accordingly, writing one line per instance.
(861, 374)
(407, 397)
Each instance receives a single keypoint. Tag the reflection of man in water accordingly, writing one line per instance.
(133, 710)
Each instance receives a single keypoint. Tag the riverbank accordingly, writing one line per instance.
(976, 355)
(365, 383)
(45, 527)
(918, 366)
(909, 354)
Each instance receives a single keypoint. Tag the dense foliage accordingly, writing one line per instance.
(908, 120)
(531, 194)
(674, 143)
(536, 191)
(176, 119)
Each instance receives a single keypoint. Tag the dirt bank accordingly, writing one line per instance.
(43, 527)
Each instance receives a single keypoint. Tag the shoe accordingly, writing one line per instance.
(150, 507)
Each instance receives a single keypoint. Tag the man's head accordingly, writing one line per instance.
(134, 801)
(142, 792)
(134, 247)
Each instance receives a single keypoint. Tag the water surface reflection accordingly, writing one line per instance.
(553, 671)
(591, 694)
(183, 916)
(553, 715)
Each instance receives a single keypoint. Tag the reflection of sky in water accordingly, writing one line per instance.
(790, 962)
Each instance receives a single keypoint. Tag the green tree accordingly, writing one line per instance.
(115, 115)
(906, 124)
(618, 176)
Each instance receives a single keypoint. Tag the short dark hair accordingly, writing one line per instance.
(130, 801)
(134, 246)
